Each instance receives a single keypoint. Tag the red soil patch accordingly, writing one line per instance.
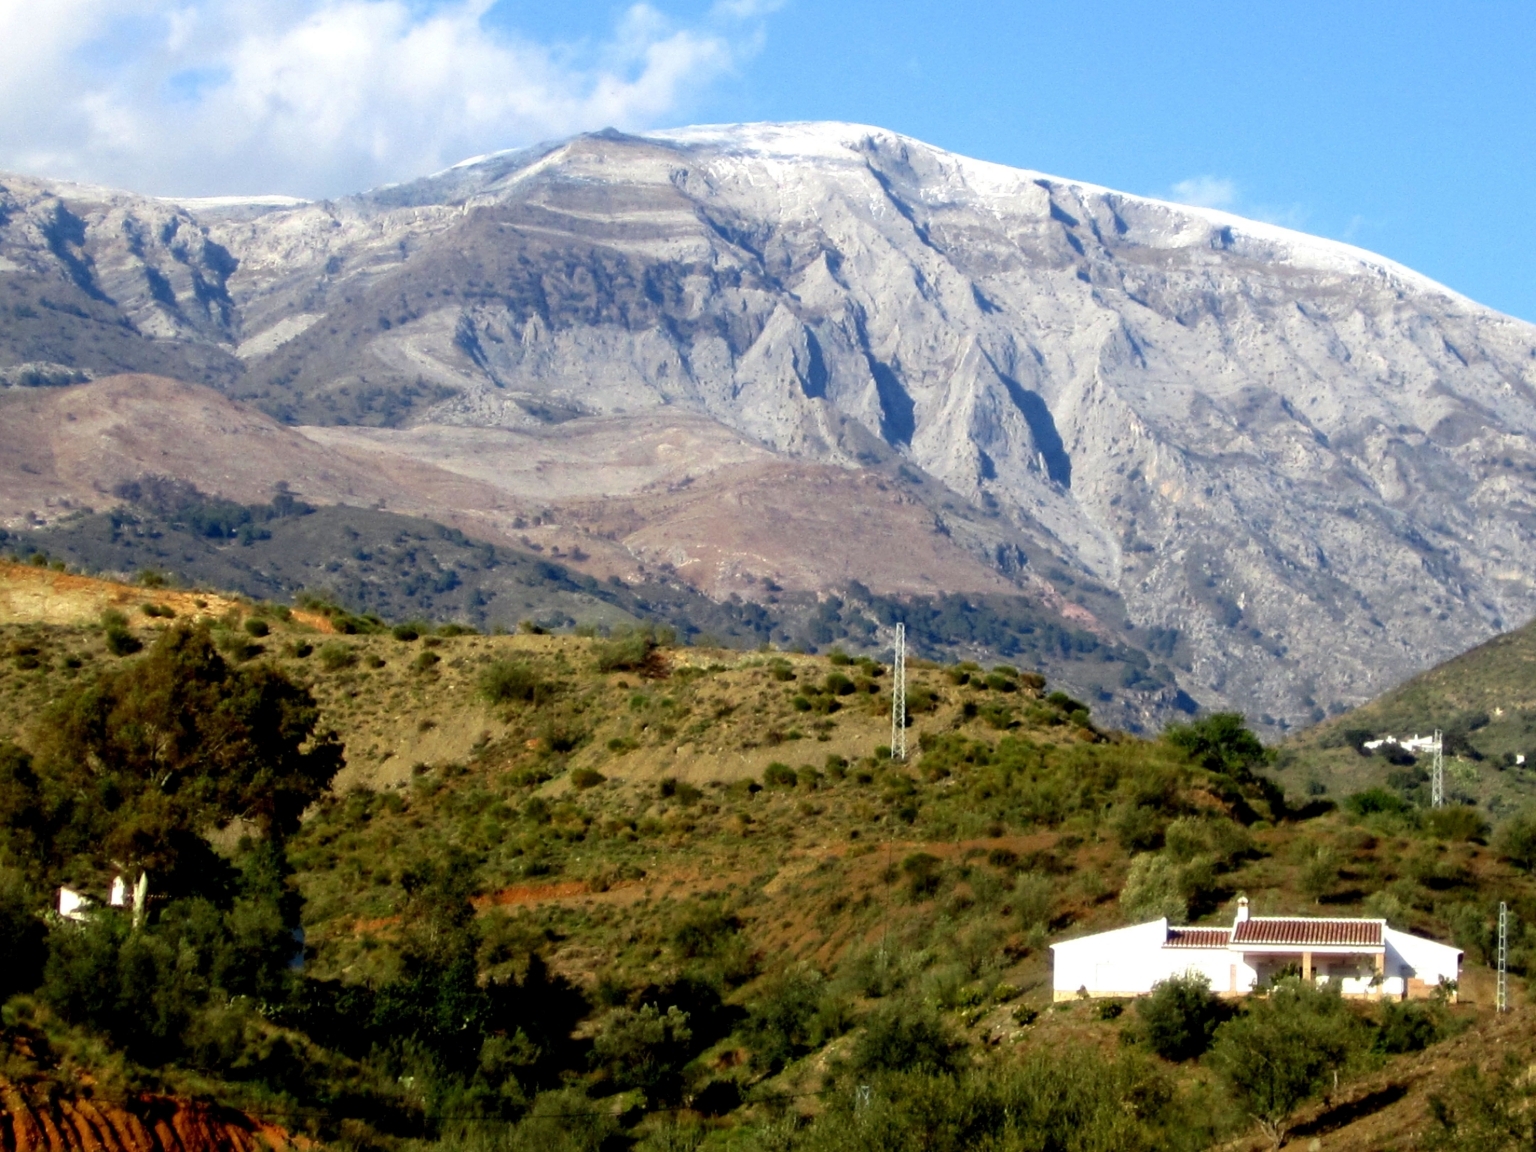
(531, 894)
(36, 1122)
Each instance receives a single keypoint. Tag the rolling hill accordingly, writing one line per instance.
(683, 887)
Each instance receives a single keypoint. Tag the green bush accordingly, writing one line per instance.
(1179, 1019)
(584, 778)
(645, 1048)
(1220, 743)
(426, 661)
(632, 651)
(924, 873)
(22, 934)
(903, 1036)
(120, 641)
(1154, 888)
(793, 1013)
(255, 626)
(1407, 1027)
(780, 775)
(509, 681)
(1516, 841)
(1485, 1112)
(335, 656)
(1284, 1050)
(1456, 822)
(837, 684)
(1375, 800)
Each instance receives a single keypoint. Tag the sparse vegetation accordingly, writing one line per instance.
(559, 901)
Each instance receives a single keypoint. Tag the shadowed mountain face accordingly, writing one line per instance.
(1297, 471)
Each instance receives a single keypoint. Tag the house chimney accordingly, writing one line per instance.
(1242, 910)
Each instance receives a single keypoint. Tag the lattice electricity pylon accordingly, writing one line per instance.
(899, 696)
(1501, 991)
(1437, 774)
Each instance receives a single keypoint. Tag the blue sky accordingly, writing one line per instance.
(1405, 128)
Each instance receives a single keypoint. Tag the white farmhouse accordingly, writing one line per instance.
(1364, 957)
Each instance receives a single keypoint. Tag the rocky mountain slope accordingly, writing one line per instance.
(1303, 471)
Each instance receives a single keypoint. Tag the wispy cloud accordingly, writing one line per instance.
(1223, 193)
(1206, 192)
(319, 97)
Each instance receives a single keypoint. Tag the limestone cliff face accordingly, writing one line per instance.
(1305, 471)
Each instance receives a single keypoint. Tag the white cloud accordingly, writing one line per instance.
(1206, 192)
(1224, 194)
(321, 97)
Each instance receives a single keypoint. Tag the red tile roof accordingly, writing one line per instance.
(1303, 930)
(1197, 937)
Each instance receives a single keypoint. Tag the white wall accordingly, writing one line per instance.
(1129, 961)
(1423, 959)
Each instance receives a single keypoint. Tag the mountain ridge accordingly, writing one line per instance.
(1312, 465)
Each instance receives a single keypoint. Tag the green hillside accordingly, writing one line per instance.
(584, 893)
(1484, 701)
(403, 568)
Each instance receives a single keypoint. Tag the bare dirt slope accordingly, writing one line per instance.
(35, 595)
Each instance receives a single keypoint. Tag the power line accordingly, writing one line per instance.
(899, 696)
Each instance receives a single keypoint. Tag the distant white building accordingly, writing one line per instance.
(1364, 957)
(1414, 743)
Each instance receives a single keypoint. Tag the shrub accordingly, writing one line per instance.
(1374, 800)
(425, 661)
(923, 873)
(335, 656)
(1407, 1027)
(838, 685)
(792, 1014)
(1457, 822)
(584, 778)
(1516, 841)
(905, 1037)
(21, 932)
(645, 1048)
(1283, 1051)
(509, 681)
(1486, 1112)
(780, 775)
(405, 632)
(1153, 889)
(1139, 828)
(633, 651)
(120, 641)
(1031, 900)
(255, 626)
(1221, 743)
(1180, 1018)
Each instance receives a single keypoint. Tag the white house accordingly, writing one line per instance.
(1364, 957)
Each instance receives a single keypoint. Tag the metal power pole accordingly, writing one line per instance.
(1501, 992)
(1437, 774)
(899, 696)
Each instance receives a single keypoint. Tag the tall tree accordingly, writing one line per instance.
(137, 767)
